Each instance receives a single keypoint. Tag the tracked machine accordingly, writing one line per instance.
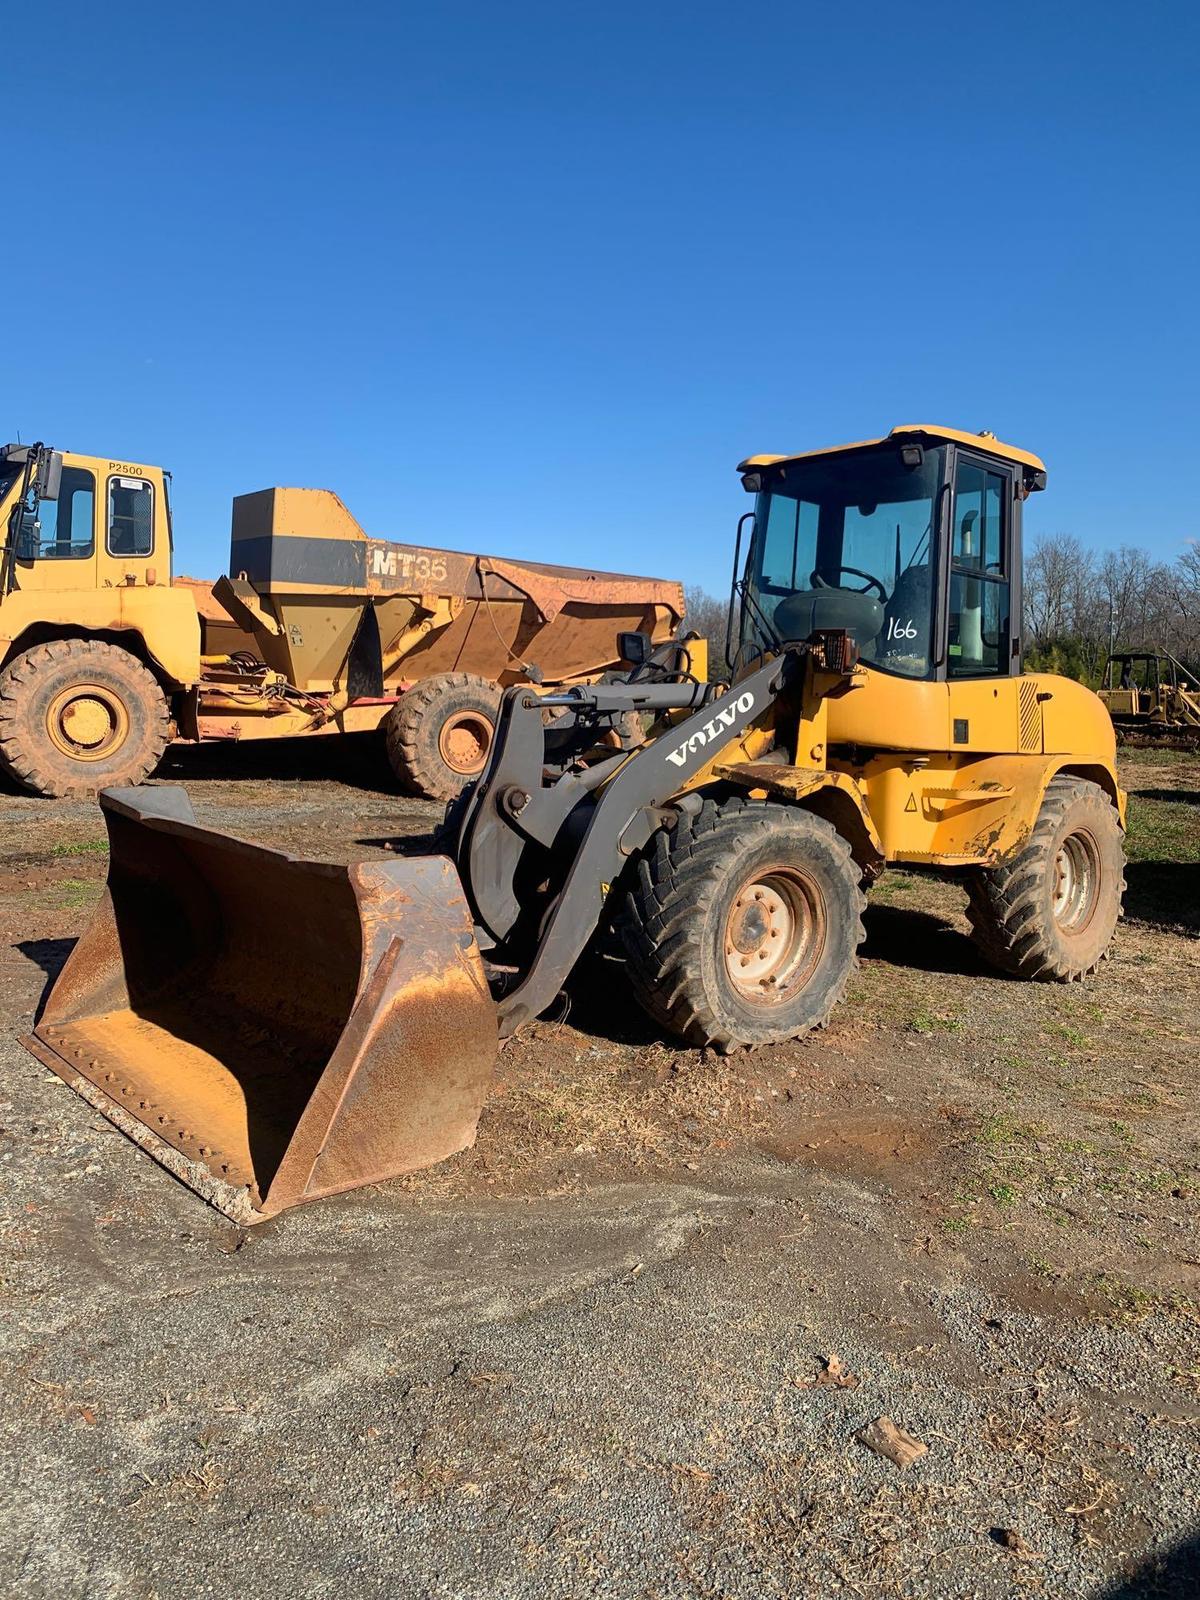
(275, 1029)
(1151, 697)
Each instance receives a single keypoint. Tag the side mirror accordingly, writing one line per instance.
(634, 648)
(49, 474)
(29, 528)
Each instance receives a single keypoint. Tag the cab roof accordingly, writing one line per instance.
(986, 442)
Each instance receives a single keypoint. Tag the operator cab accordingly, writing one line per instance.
(911, 544)
(70, 522)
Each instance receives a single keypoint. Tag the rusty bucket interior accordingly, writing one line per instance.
(272, 1029)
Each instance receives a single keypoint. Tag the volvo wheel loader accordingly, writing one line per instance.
(274, 1029)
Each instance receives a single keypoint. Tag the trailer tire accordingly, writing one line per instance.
(1050, 912)
(707, 891)
(439, 733)
(78, 716)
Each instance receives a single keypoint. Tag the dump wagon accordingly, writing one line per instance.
(318, 629)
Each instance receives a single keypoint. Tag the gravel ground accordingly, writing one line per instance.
(593, 1355)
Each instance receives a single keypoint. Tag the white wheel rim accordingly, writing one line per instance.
(1076, 882)
(774, 935)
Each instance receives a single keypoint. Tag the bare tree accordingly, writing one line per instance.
(1185, 592)
(1060, 579)
(1078, 605)
(706, 615)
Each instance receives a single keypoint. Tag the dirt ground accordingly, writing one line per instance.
(624, 1346)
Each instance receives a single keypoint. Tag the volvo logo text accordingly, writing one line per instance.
(711, 729)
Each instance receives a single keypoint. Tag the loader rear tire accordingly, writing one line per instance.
(79, 715)
(742, 924)
(439, 733)
(1050, 912)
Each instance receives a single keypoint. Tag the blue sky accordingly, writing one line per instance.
(532, 278)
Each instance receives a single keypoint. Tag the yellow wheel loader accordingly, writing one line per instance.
(274, 1030)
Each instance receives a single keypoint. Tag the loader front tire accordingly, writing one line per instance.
(1049, 913)
(742, 924)
(80, 715)
(439, 733)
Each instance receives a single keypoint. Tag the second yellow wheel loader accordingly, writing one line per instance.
(274, 1030)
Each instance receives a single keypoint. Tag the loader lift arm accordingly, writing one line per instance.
(368, 1051)
(514, 808)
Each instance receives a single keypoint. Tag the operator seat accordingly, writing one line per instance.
(908, 617)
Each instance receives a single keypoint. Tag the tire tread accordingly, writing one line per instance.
(1004, 903)
(29, 763)
(411, 752)
(661, 917)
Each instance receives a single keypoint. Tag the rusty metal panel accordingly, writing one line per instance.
(288, 539)
(340, 617)
(276, 1029)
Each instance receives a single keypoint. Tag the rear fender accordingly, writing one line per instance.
(973, 812)
(986, 833)
(1098, 773)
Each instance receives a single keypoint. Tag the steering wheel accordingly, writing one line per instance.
(816, 581)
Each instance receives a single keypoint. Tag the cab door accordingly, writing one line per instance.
(983, 604)
(130, 513)
(59, 553)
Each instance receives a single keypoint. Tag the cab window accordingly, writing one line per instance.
(791, 539)
(979, 624)
(130, 517)
(66, 530)
(844, 541)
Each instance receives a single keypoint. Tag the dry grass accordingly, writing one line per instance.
(558, 1104)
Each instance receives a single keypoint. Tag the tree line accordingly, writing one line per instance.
(1079, 605)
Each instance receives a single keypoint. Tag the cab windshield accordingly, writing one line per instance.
(846, 541)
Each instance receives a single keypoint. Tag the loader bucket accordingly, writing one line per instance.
(271, 1029)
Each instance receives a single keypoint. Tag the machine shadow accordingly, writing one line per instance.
(1182, 797)
(51, 956)
(921, 941)
(1166, 893)
(354, 760)
(602, 1004)
(1174, 1575)
(411, 844)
